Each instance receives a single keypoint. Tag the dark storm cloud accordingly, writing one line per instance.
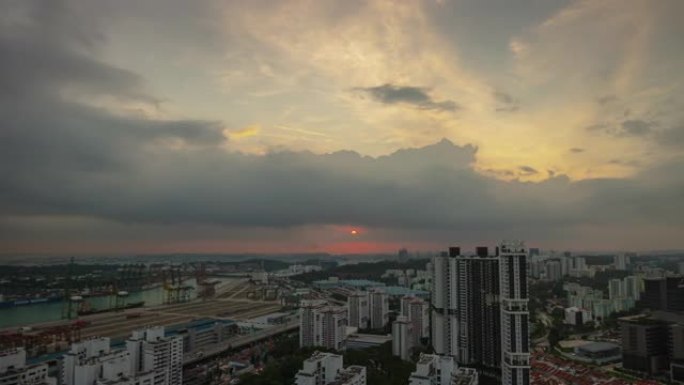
(415, 96)
(60, 157)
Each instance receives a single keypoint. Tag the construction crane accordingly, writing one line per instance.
(206, 288)
(67, 310)
(176, 291)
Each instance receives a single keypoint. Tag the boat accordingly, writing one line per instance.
(28, 301)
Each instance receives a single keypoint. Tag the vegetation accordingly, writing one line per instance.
(287, 358)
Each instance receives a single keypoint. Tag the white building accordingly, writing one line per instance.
(620, 261)
(466, 376)
(553, 270)
(151, 351)
(633, 287)
(322, 325)
(327, 368)
(14, 371)
(379, 308)
(615, 289)
(418, 313)
(566, 265)
(432, 369)
(260, 277)
(358, 306)
(577, 316)
(92, 362)
(402, 338)
(307, 321)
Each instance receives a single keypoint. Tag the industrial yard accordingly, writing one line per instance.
(231, 304)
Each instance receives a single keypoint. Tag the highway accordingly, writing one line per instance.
(240, 341)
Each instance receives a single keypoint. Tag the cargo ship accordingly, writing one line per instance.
(28, 301)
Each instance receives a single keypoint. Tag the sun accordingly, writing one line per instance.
(354, 232)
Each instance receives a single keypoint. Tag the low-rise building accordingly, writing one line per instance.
(327, 368)
(433, 369)
(577, 316)
(365, 341)
(14, 371)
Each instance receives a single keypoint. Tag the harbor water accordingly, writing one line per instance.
(45, 312)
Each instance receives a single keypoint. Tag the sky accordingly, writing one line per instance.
(155, 126)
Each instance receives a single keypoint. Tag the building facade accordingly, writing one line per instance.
(322, 325)
(515, 353)
(466, 314)
(93, 362)
(402, 338)
(379, 308)
(151, 351)
(14, 371)
(327, 368)
(418, 313)
(358, 305)
(433, 369)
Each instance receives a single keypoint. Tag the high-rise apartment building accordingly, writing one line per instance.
(418, 313)
(151, 351)
(322, 325)
(632, 286)
(663, 293)
(14, 371)
(379, 308)
(620, 261)
(616, 289)
(470, 319)
(515, 353)
(307, 321)
(402, 338)
(403, 255)
(326, 368)
(653, 344)
(553, 270)
(358, 306)
(466, 310)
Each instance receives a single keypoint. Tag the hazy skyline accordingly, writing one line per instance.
(265, 126)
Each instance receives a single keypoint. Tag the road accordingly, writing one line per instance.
(241, 341)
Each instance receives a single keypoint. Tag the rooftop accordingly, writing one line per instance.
(595, 347)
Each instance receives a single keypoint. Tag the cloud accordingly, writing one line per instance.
(607, 99)
(75, 169)
(414, 96)
(576, 150)
(527, 170)
(507, 103)
(245, 132)
(636, 127)
(672, 137)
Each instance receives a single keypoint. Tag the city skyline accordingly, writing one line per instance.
(341, 127)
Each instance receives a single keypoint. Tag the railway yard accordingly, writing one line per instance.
(230, 303)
